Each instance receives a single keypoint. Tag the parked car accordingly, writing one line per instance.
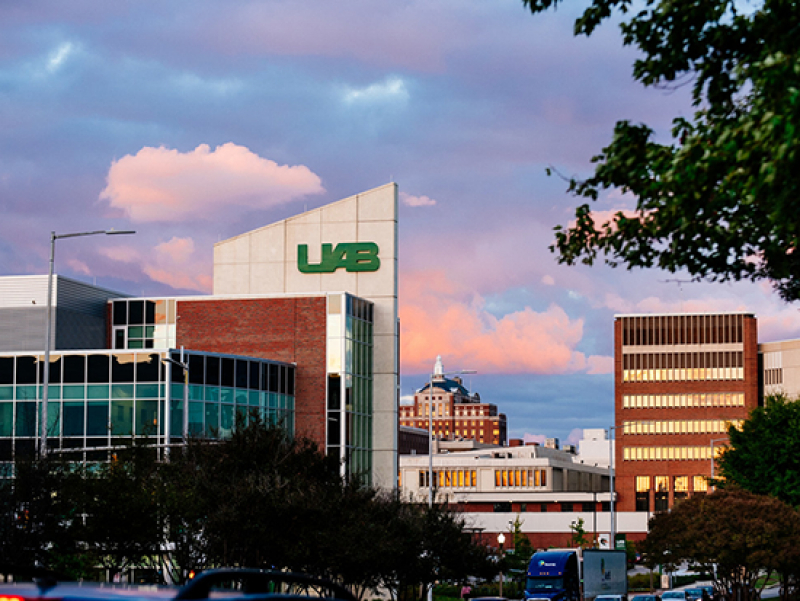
(237, 585)
(646, 598)
(695, 594)
(611, 598)
(675, 596)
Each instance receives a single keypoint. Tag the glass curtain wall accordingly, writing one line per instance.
(225, 391)
(100, 400)
(350, 384)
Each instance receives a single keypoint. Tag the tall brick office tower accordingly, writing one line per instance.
(679, 381)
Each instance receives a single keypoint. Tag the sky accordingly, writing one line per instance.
(192, 121)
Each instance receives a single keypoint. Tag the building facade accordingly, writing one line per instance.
(680, 381)
(779, 364)
(326, 337)
(456, 412)
(302, 327)
(547, 489)
(350, 246)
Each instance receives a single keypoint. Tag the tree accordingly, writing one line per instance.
(764, 454)
(36, 517)
(578, 536)
(518, 558)
(117, 504)
(722, 199)
(733, 534)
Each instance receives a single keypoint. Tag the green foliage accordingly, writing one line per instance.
(517, 559)
(260, 499)
(578, 537)
(721, 200)
(733, 534)
(764, 455)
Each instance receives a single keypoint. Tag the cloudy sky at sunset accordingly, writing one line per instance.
(192, 121)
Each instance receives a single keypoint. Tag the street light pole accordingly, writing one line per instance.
(611, 452)
(184, 365)
(430, 424)
(49, 327)
(443, 375)
(501, 538)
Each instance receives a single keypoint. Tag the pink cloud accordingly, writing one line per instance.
(781, 325)
(416, 201)
(538, 438)
(174, 263)
(441, 317)
(575, 436)
(599, 364)
(162, 184)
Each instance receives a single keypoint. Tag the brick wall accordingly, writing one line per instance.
(292, 330)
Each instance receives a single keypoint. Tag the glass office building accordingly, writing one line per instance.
(99, 400)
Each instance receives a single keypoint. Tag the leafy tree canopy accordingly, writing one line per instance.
(722, 199)
(733, 534)
(764, 455)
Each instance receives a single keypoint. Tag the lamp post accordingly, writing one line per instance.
(611, 484)
(48, 325)
(437, 371)
(442, 375)
(501, 538)
(711, 442)
(184, 365)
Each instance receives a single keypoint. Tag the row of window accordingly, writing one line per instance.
(680, 426)
(450, 478)
(520, 478)
(141, 416)
(679, 483)
(663, 401)
(773, 376)
(683, 375)
(668, 453)
(661, 488)
(563, 507)
(212, 370)
(648, 330)
(441, 409)
(105, 368)
(76, 369)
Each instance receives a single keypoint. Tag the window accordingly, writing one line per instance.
(642, 493)
(681, 487)
(662, 493)
(700, 484)
(566, 507)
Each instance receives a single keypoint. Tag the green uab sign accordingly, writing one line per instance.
(353, 256)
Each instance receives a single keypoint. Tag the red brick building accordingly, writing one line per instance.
(457, 413)
(326, 338)
(680, 381)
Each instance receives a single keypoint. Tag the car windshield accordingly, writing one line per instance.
(643, 598)
(674, 595)
(544, 584)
